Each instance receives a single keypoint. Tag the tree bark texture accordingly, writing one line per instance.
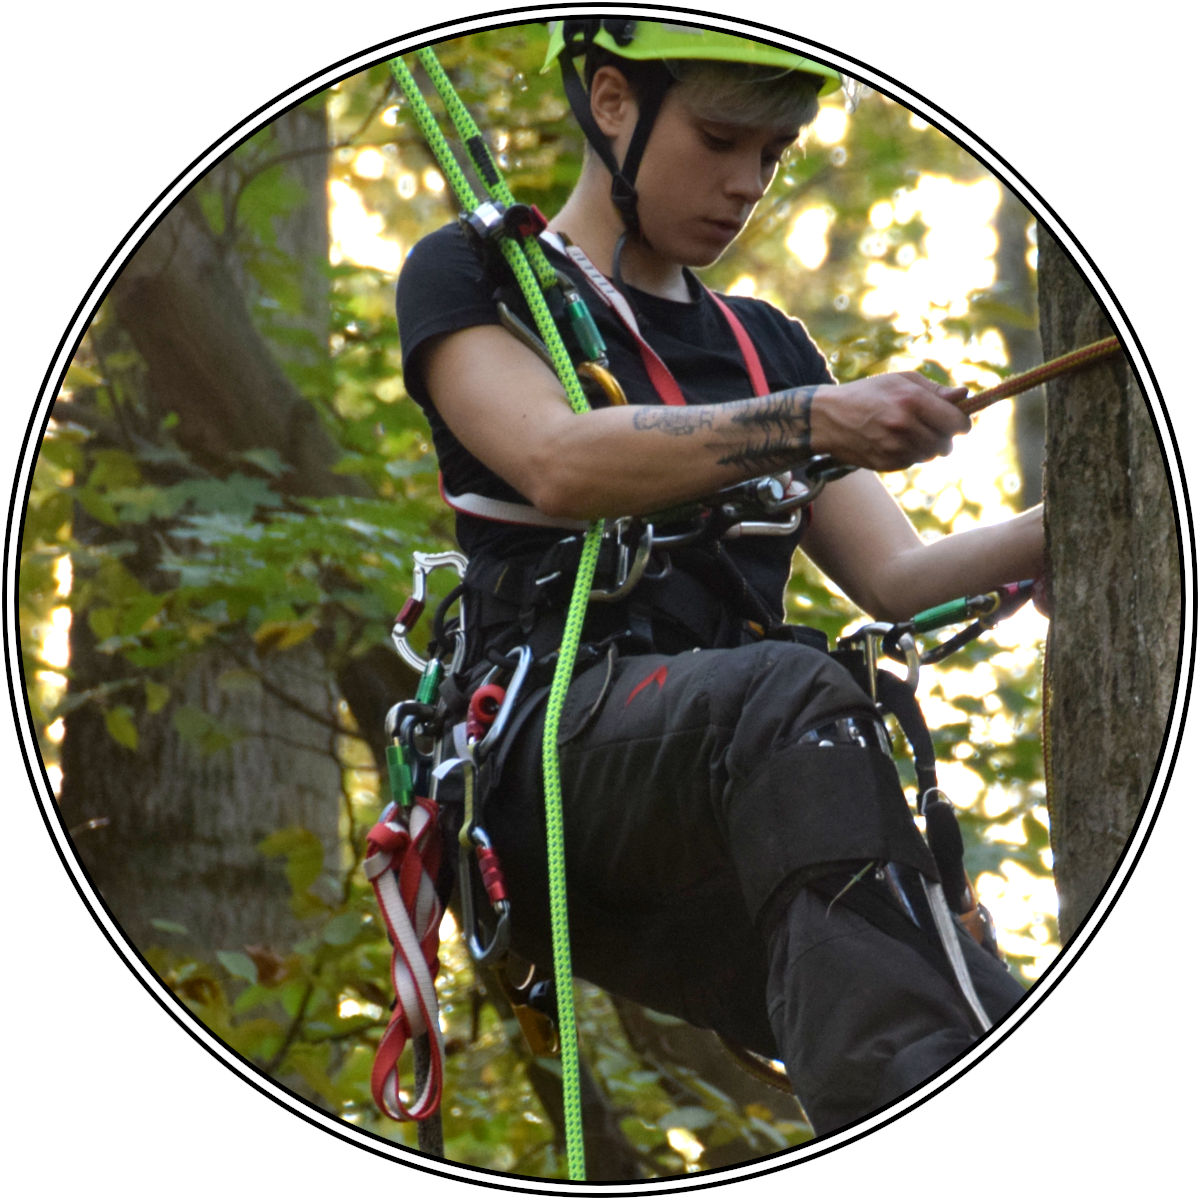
(1113, 560)
(170, 830)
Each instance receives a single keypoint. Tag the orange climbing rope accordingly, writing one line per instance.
(1016, 384)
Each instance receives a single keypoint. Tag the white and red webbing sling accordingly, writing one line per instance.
(405, 855)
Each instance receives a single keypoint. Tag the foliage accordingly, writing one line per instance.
(193, 552)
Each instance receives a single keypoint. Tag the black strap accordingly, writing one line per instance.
(653, 79)
(941, 822)
(899, 699)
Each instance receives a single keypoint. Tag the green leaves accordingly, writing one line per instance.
(121, 727)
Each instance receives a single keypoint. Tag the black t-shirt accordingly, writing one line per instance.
(444, 287)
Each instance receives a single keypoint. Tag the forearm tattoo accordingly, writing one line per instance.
(679, 422)
(766, 433)
(777, 431)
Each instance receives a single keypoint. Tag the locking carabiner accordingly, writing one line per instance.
(480, 850)
(406, 620)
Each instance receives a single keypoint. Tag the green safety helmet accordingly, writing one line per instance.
(649, 43)
(644, 41)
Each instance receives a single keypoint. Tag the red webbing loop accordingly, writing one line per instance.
(402, 865)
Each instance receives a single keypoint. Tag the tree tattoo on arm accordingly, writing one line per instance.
(775, 431)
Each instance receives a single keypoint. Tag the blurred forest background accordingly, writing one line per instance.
(219, 533)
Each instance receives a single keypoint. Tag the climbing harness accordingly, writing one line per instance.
(426, 754)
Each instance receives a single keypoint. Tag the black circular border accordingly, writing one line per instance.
(77, 327)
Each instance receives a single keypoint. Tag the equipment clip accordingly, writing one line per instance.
(483, 952)
(406, 620)
(629, 573)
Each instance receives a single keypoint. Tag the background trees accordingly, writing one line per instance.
(293, 622)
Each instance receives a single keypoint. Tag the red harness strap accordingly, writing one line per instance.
(669, 391)
(754, 368)
(402, 866)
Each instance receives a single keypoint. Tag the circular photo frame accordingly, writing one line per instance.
(220, 486)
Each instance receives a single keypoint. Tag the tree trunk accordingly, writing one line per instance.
(1114, 565)
(169, 827)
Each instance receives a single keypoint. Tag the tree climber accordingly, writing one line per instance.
(738, 847)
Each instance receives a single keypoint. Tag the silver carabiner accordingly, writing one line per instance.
(871, 638)
(629, 574)
(912, 659)
(406, 620)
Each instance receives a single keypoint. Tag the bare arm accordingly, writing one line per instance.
(508, 410)
(863, 541)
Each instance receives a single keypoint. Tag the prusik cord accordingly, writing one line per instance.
(533, 272)
(1014, 385)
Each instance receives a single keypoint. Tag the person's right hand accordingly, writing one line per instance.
(888, 422)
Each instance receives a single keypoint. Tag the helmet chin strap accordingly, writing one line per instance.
(654, 80)
(615, 270)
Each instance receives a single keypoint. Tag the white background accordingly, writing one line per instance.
(105, 105)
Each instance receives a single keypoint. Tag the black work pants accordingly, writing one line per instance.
(691, 806)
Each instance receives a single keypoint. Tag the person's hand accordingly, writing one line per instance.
(1043, 599)
(888, 422)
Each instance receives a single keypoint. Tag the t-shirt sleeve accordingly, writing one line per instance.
(442, 288)
(788, 352)
(814, 368)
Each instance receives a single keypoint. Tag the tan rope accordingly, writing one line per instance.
(1016, 384)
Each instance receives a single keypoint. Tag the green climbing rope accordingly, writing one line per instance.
(534, 274)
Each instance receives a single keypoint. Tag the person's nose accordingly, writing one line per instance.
(749, 179)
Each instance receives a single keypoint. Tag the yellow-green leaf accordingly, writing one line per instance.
(157, 694)
(80, 376)
(120, 725)
(283, 635)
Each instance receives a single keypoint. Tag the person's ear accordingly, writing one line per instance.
(614, 106)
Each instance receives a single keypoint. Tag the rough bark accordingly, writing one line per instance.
(171, 830)
(1114, 564)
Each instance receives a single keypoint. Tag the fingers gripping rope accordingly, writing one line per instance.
(402, 865)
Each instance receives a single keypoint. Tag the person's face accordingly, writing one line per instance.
(700, 179)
